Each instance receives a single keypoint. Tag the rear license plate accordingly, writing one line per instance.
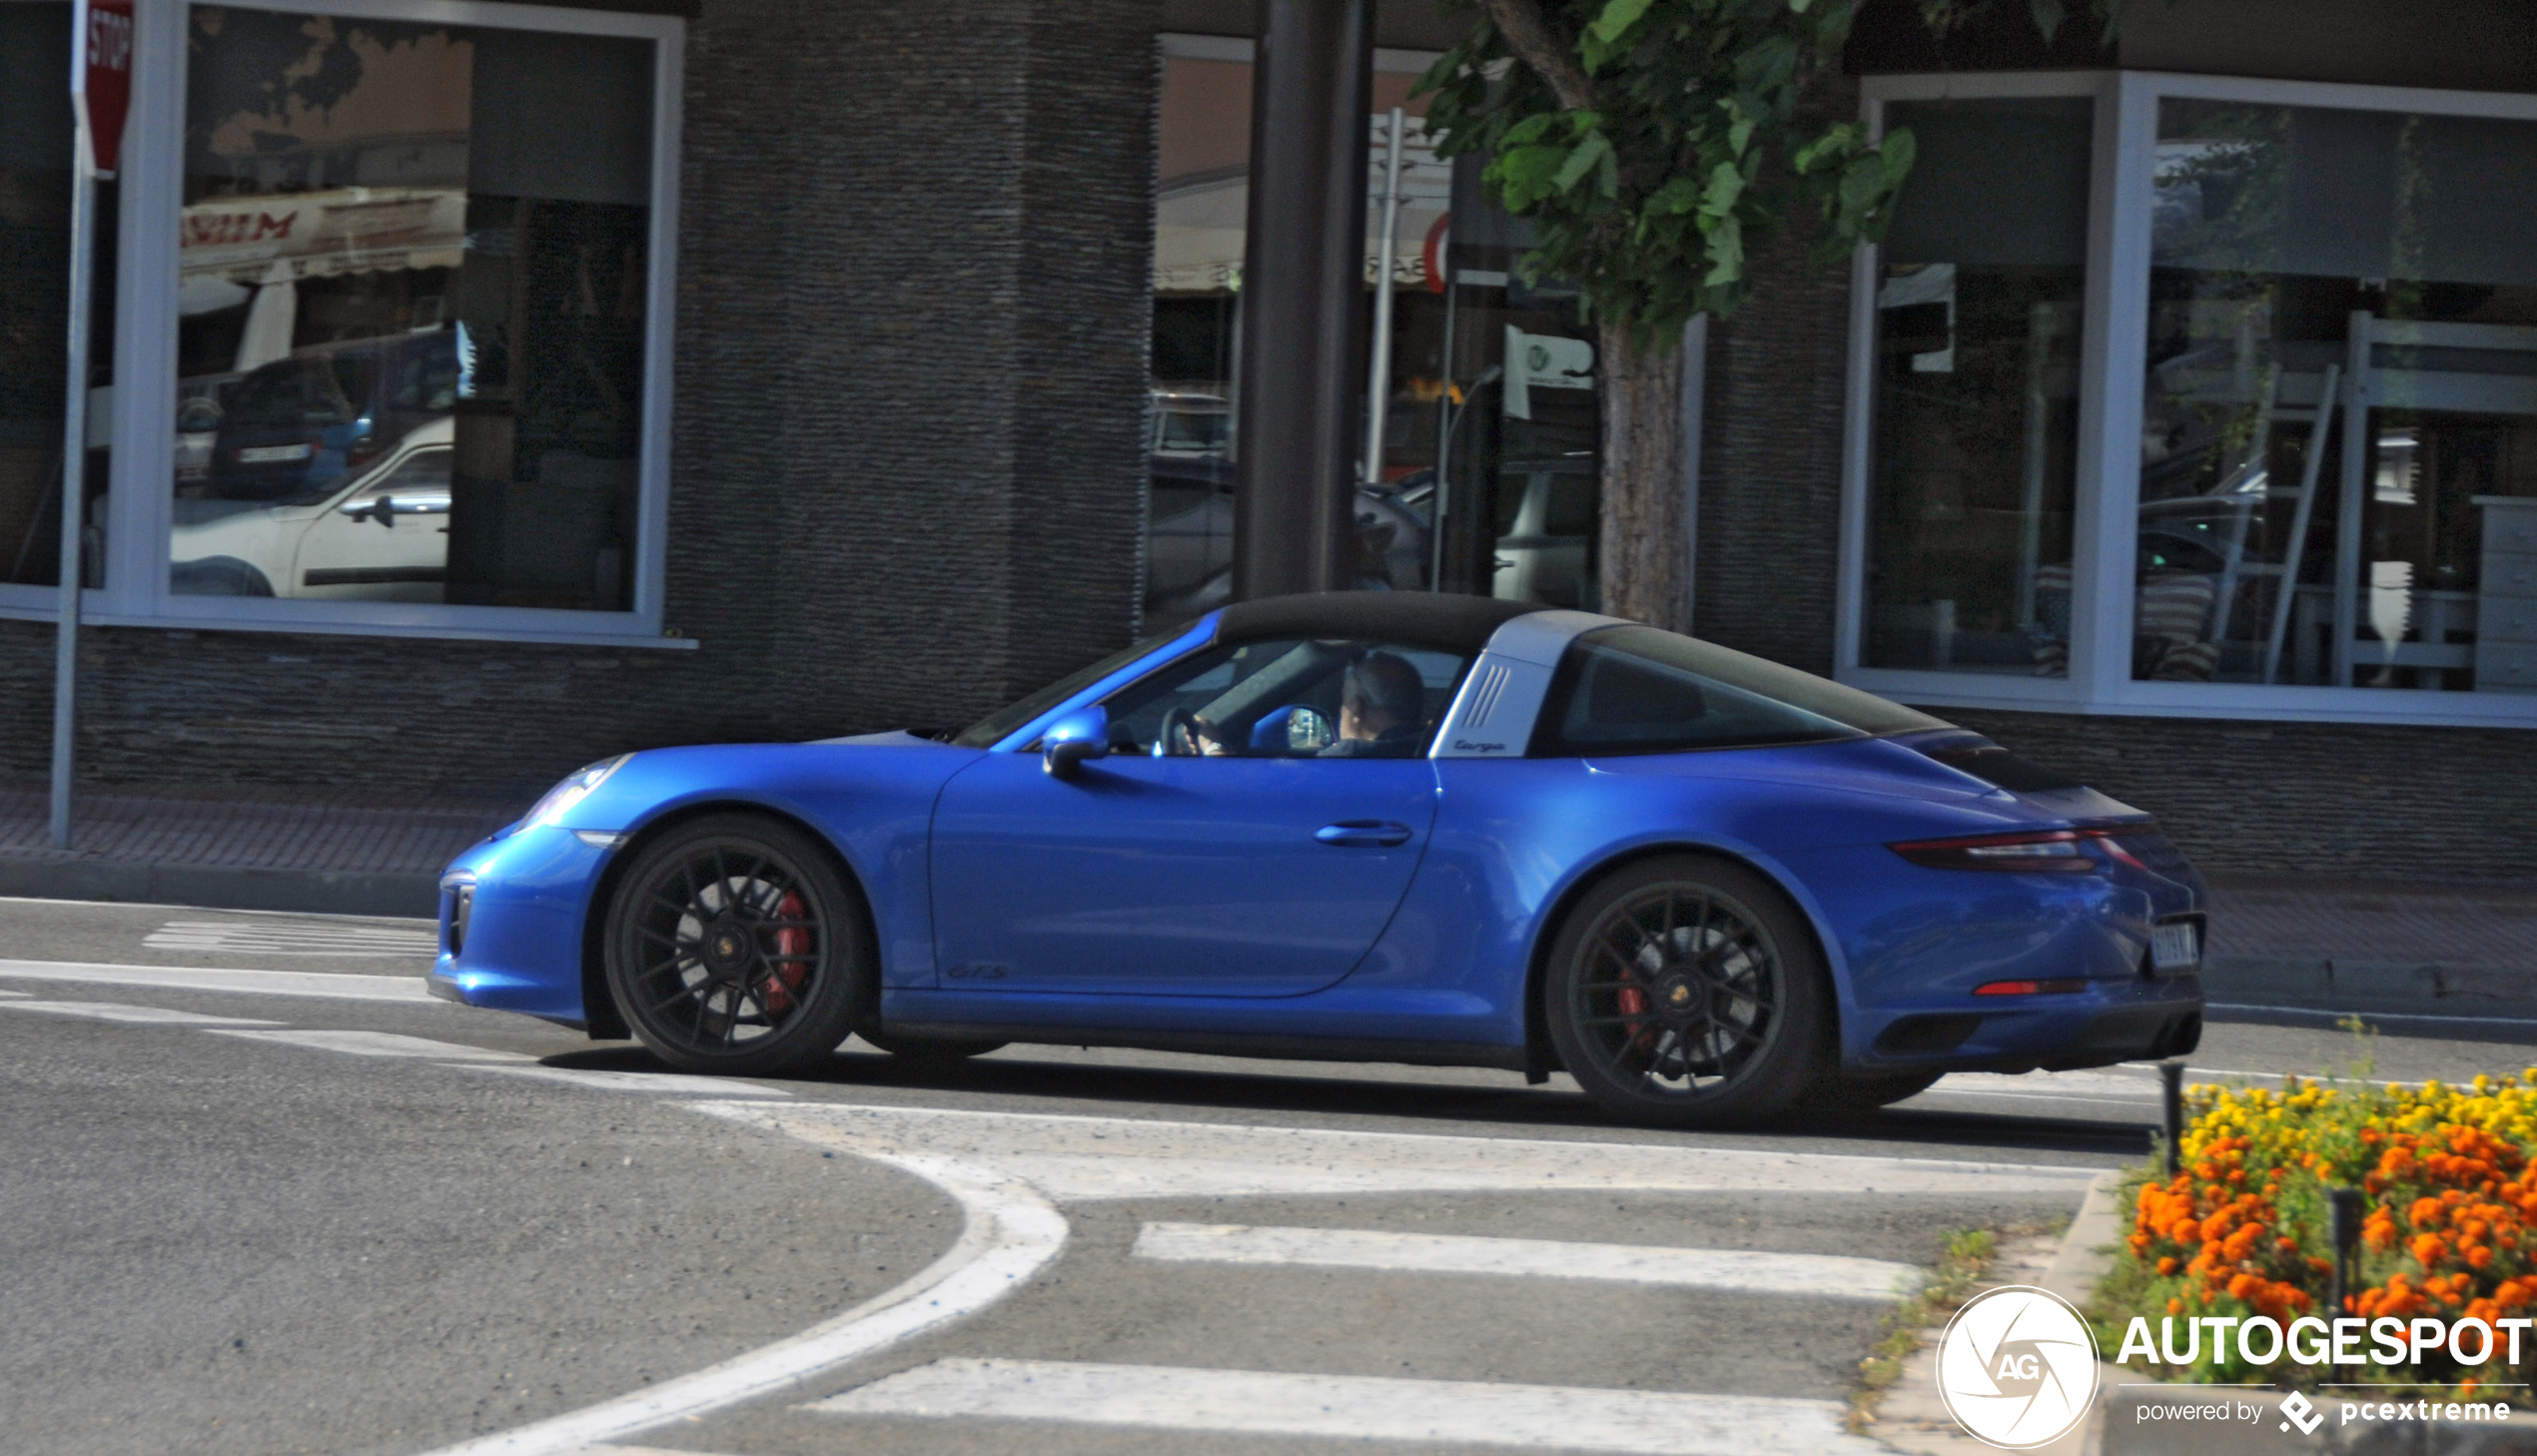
(2176, 947)
(273, 454)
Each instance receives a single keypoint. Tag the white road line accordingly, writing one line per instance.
(659, 1083)
(234, 938)
(1745, 1271)
(330, 984)
(1008, 1233)
(107, 1010)
(1083, 1157)
(2337, 1017)
(381, 1043)
(1358, 1408)
(12, 992)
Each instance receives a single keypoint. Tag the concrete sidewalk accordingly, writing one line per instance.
(2279, 942)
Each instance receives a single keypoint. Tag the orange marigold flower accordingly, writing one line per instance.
(2166, 1265)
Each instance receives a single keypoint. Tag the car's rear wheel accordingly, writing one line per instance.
(1686, 992)
(933, 1051)
(733, 946)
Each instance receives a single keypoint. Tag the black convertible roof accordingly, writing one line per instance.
(1426, 618)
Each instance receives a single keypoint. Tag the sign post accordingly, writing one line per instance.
(101, 93)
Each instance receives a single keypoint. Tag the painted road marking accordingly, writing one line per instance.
(1008, 1233)
(1358, 1408)
(1744, 1271)
(331, 985)
(598, 1079)
(290, 938)
(107, 1010)
(381, 1043)
(1080, 1158)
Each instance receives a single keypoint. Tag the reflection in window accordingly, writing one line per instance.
(410, 250)
(2339, 432)
(1977, 389)
(35, 258)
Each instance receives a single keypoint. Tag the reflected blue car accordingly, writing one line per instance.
(1365, 826)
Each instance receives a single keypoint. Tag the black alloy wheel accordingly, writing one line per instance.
(1685, 992)
(733, 946)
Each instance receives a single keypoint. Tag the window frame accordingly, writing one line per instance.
(2113, 348)
(139, 502)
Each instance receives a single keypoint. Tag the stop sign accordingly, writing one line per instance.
(101, 75)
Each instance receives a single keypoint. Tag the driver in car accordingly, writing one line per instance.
(1380, 704)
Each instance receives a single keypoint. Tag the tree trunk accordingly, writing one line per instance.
(1645, 554)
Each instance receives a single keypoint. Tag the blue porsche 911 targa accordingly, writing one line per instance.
(1365, 826)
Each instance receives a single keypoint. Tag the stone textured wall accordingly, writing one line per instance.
(1769, 464)
(907, 466)
(2344, 800)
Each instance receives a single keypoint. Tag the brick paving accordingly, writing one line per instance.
(252, 829)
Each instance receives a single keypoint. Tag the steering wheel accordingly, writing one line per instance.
(1177, 737)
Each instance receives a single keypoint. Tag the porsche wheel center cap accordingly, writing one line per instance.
(726, 949)
(1678, 997)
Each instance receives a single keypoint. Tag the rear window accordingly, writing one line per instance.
(1628, 690)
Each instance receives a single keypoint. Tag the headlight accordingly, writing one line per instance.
(575, 787)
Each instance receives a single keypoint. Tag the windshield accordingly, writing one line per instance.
(998, 725)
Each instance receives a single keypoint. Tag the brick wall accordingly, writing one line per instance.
(907, 473)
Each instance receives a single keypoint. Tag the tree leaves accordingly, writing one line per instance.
(1692, 143)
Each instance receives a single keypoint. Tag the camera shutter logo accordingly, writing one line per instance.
(2017, 1367)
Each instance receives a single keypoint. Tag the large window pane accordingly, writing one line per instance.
(1977, 389)
(2282, 537)
(35, 258)
(413, 272)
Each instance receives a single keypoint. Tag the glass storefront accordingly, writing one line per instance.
(2338, 473)
(35, 258)
(1976, 369)
(413, 265)
(1516, 490)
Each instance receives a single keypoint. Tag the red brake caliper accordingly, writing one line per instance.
(792, 957)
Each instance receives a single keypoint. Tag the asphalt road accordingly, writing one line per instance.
(262, 1197)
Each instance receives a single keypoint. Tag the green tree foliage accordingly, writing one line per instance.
(1656, 142)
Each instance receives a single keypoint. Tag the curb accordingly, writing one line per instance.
(2316, 981)
(219, 887)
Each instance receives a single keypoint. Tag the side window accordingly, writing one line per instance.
(1290, 698)
(1624, 691)
(424, 475)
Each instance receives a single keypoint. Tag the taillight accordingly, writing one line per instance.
(2031, 988)
(2045, 852)
(2032, 852)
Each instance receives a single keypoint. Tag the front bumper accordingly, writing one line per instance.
(520, 945)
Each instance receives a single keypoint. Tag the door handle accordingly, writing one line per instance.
(1364, 834)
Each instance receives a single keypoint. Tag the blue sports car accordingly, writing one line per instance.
(1365, 826)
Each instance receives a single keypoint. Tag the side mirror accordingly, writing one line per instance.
(1073, 740)
(1296, 729)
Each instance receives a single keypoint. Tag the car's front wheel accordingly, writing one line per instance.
(733, 946)
(1686, 992)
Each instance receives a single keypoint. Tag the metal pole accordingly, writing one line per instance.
(2171, 1098)
(74, 435)
(1378, 373)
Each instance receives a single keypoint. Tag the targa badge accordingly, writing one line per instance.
(2017, 1367)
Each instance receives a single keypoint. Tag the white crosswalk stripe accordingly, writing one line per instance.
(292, 938)
(107, 1010)
(381, 1043)
(326, 984)
(1359, 1407)
(1745, 1271)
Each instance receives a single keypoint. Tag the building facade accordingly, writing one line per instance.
(490, 387)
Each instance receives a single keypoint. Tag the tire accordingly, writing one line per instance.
(1686, 992)
(931, 1052)
(734, 946)
(1866, 1093)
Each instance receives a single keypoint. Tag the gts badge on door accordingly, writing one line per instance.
(975, 970)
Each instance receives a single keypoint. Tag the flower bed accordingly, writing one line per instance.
(2244, 1229)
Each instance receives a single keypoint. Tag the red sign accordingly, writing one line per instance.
(101, 77)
